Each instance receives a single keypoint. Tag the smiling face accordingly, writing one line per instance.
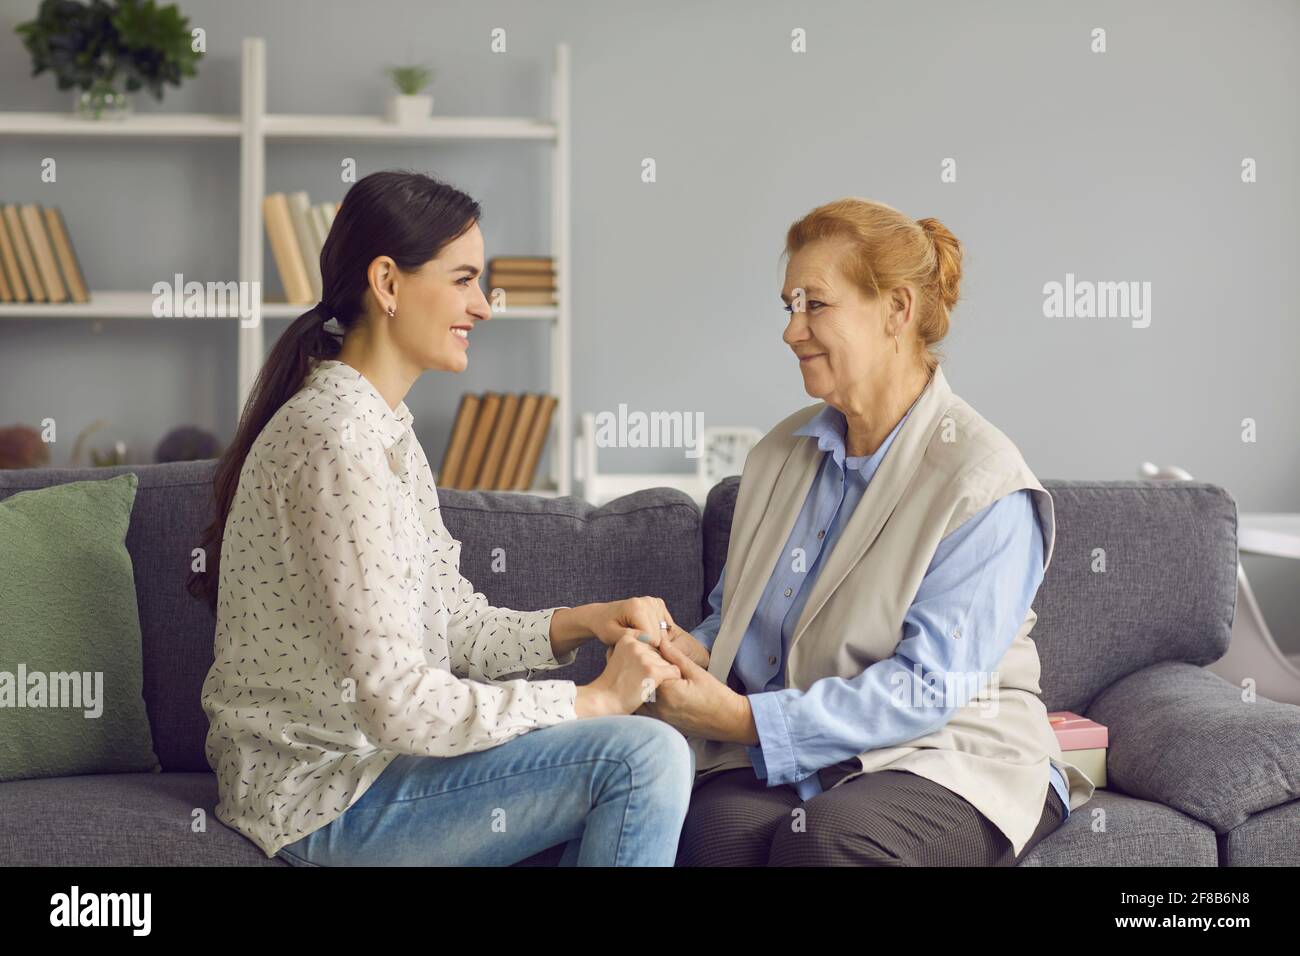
(441, 303)
(840, 335)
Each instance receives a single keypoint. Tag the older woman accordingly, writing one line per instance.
(871, 692)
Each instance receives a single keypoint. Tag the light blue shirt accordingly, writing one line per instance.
(981, 580)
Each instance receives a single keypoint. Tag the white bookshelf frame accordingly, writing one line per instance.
(255, 128)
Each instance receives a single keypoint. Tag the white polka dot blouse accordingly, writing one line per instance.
(346, 634)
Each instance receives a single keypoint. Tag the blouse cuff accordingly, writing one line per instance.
(539, 653)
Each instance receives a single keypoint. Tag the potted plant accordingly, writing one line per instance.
(108, 49)
(409, 105)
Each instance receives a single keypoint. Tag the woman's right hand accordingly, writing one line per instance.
(633, 670)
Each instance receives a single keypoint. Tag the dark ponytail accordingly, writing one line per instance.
(407, 216)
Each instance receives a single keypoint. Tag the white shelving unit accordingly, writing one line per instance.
(255, 129)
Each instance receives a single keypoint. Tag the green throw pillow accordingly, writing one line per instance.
(70, 673)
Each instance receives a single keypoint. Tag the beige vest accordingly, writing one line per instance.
(946, 464)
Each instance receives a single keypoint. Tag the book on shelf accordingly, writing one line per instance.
(37, 260)
(22, 251)
(284, 249)
(522, 264)
(496, 441)
(300, 211)
(484, 422)
(68, 263)
(496, 448)
(524, 280)
(9, 263)
(533, 444)
(521, 280)
(458, 443)
(43, 253)
(515, 445)
(297, 231)
(320, 228)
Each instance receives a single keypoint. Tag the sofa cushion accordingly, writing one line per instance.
(70, 671)
(173, 504)
(557, 552)
(1182, 735)
(1267, 838)
(129, 819)
(1168, 591)
(566, 551)
(1113, 829)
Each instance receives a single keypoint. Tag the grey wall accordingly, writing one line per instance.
(1118, 166)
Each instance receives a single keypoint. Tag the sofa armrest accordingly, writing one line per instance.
(1183, 736)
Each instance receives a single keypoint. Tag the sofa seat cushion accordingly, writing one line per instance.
(1268, 838)
(119, 819)
(1128, 832)
(1183, 736)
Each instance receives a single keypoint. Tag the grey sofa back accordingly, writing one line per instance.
(1167, 592)
(555, 552)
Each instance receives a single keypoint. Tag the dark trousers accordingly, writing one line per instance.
(884, 818)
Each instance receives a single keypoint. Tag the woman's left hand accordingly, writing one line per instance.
(643, 614)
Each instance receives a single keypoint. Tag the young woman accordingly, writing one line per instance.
(356, 716)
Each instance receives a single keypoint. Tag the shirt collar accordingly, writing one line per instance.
(347, 384)
(829, 427)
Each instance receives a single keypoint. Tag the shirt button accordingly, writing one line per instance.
(772, 660)
(787, 592)
(820, 535)
(957, 633)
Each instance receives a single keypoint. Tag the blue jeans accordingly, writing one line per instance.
(615, 789)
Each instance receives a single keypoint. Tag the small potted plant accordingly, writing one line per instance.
(409, 105)
(108, 49)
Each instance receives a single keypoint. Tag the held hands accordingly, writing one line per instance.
(634, 670)
(660, 673)
(697, 703)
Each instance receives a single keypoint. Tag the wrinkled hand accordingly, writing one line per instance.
(698, 704)
(685, 642)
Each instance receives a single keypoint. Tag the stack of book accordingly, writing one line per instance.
(1083, 743)
(297, 230)
(525, 280)
(37, 263)
(496, 441)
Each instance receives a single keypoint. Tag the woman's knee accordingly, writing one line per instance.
(657, 756)
(821, 834)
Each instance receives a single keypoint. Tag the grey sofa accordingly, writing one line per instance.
(1197, 776)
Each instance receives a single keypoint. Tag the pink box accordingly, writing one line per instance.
(1075, 732)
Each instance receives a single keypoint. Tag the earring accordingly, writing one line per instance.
(391, 311)
(895, 344)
